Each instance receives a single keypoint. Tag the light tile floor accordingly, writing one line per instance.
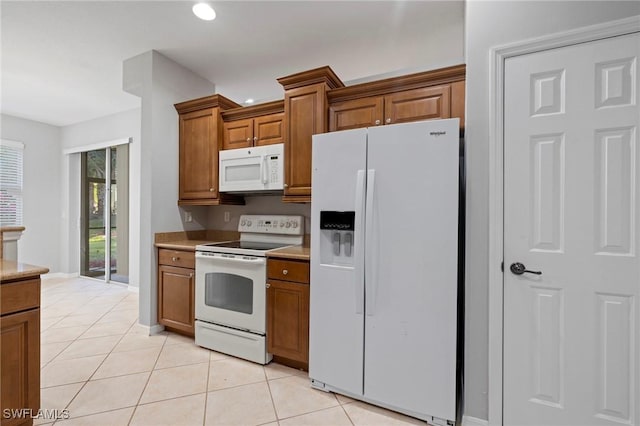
(98, 364)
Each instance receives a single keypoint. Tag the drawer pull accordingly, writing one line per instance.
(285, 272)
(268, 285)
(175, 259)
(191, 275)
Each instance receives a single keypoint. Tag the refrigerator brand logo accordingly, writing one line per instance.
(437, 133)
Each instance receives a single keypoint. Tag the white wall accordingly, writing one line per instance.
(118, 126)
(42, 209)
(489, 24)
(160, 83)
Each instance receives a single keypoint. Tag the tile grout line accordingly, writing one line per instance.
(206, 392)
(273, 403)
(148, 378)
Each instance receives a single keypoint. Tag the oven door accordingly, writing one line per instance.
(231, 290)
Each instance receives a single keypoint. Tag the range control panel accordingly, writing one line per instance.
(271, 224)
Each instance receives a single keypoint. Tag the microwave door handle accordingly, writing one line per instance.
(264, 168)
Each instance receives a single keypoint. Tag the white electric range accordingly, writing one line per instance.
(231, 282)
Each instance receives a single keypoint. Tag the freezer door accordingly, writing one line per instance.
(411, 266)
(336, 317)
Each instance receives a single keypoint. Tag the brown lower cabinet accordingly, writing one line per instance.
(176, 290)
(20, 352)
(288, 312)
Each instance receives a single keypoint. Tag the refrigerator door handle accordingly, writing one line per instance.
(370, 279)
(359, 241)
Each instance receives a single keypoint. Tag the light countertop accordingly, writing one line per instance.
(294, 252)
(188, 240)
(10, 270)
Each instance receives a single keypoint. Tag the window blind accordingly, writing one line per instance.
(11, 165)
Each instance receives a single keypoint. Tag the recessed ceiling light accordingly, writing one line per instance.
(249, 101)
(204, 11)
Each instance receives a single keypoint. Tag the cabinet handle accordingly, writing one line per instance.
(388, 120)
(211, 189)
(286, 185)
(285, 272)
(255, 139)
(377, 122)
(191, 275)
(175, 259)
(248, 139)
(268, 285)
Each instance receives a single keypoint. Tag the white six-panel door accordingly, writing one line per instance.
(571, 211)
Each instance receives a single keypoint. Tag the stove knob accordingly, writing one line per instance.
(295, 225)
(288, 224)
(281, 224)
(243, 222)
(248, 223)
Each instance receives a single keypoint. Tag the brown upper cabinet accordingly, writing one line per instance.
(422, 96)
(254, 125)
(315, 101)
(305, 114)
(200, 139)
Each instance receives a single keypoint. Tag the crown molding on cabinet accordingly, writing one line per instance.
(266, 108)
(211, 101)
(398, 84)
(305, 78)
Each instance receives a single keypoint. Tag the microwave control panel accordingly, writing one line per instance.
(273, 161)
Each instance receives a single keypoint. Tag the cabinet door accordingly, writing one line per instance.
(238, 134)
(176, 306)
(20, 363)
(199, 154)
(357, 113)
(288, 320)
(418, 104)
(268, 129)
(305, 115)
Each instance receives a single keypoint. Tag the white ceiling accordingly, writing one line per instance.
(61, 61)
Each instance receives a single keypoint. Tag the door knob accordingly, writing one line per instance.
(519, 269)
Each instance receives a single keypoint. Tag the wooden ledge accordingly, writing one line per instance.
(205, 102)
(398, 84)
(253, 110)
(305, 78)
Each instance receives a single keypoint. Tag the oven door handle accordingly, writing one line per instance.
(223, 259)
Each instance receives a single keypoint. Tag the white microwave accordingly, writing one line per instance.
(253, 169)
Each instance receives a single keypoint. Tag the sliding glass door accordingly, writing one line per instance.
(105, 214)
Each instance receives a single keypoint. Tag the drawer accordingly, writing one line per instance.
(20, 296)
(288, 270)
(182, 259)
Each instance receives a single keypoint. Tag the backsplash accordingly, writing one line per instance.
(263, 204)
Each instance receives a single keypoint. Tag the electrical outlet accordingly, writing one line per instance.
(188, 217)
(227, 216)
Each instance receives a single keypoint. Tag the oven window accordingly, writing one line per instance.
(228, 291)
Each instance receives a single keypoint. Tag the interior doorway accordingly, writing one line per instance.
(104, 248)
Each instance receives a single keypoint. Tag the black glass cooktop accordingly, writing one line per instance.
(250, 245)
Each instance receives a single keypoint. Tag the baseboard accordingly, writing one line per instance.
(473, 421)
(134, 289)
(54, 275)
(151, 330)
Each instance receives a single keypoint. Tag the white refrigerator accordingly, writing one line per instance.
(384, 266)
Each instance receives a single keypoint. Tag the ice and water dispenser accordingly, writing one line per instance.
(337, 237)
